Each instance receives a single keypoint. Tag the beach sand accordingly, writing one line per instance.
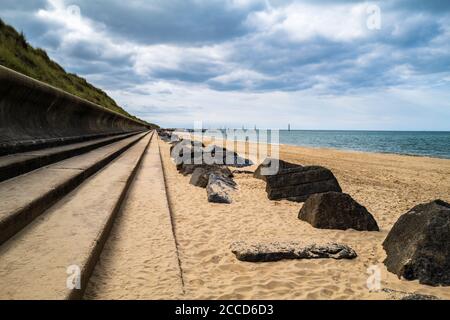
(388, 185)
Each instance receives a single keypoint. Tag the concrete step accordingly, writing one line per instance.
(16, 164)
(25, 197)
(14, 147)
(38, 262)
(150, 270)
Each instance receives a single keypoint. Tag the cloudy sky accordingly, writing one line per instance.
(340, 64)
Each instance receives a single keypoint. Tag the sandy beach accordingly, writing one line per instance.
(387, 185)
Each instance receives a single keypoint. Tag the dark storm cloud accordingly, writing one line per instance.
(176, 21)
(412, 42)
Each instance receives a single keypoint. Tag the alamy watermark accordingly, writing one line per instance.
(231, 147)
(374, 280)
(373, 21)
(73, 281)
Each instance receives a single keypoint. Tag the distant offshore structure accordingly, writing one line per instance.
(289, 127)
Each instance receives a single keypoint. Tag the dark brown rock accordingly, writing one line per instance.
(200, 176)
(189, 155)
(239, 171)
(186, 154)
(179, 147)
(268, 162)
(402, 295)
(214, 154)
(298, 176)
(334, 210)
(219, 189)
(297, 184)
(275, 251)
(418, 246)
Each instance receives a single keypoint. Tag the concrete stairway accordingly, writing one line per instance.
(25, 197)
(16, 164)
(56, 219)
(140, 259)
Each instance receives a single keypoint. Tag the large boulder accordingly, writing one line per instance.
(185, 153)
(275, 251)
(282, 165)
(297, 184)
(418, 245)
(189, 154)
(214, 154)
(165, 135)
(402, 295)
(219, 189)
(335, 210)
(200, 176)
(178, 148)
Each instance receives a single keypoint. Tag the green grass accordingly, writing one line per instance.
(17, 54)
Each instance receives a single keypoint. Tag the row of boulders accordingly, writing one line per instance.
(166, 135)
(190, 152)
(417, 247)
(326, 207)
(208, 166)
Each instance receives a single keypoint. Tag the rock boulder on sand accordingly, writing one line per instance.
(402, 295)
(218, 155)
(200, 176)
(335, 210)
(183, 142)
(219, 189)
(297, 184)
(275, 251)
(282, 165)
(418, 246)
(186, 155)
(178, 148)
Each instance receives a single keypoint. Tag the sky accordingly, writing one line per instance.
(342, 64)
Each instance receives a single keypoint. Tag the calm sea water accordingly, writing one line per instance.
(418, 143)
(433, 144)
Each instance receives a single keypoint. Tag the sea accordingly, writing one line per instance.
(417, 143)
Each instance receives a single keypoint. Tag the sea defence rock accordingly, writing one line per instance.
(214, 154)
(187, 153)
(178, 148)
(190, 154)
(282, 165)
(402, 295)
(418, 245)
(165, 135)
(219, 189)
(334, 210)
(34, 115)
(275, 251)
(297, 184)
(200, 176)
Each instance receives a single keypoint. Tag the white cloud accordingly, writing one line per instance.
(148, 59)
(301, 22)
(245, 77)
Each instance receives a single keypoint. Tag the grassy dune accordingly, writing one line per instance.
(17, 54)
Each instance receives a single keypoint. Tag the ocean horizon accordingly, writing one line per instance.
(434, 144)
